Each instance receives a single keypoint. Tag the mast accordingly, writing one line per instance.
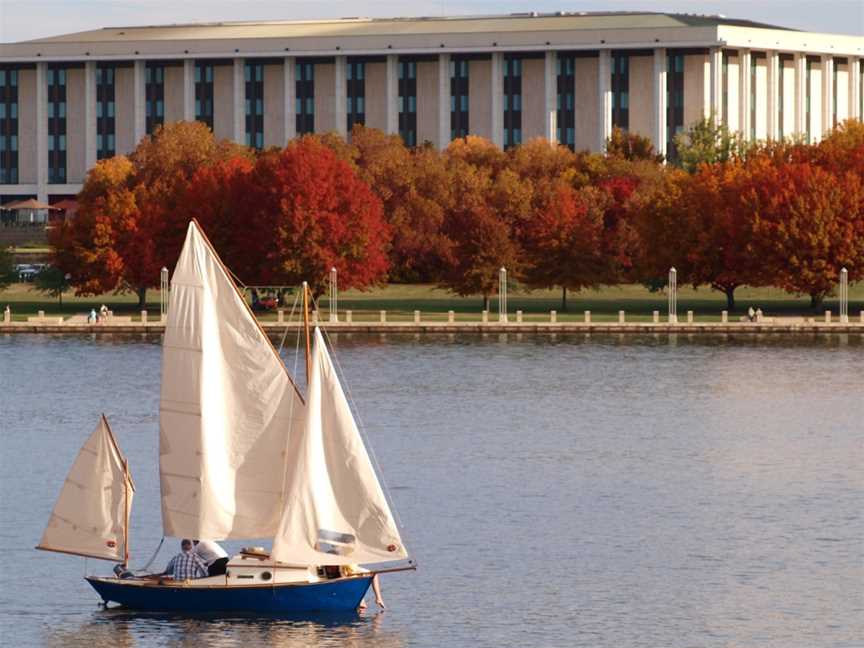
(306, 326)
(125, 513)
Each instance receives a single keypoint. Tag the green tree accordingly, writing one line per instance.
(7, 269)
(54, 282)
(707, 142)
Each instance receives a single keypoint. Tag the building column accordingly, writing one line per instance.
(41, 132)
(550, 85)
(744, 99)
(855, 88)
(715, 57)
(659, 85)
(800, 93)
(239, 79)
(604, 98)
(340, 93)
(140, 108)
(289, 88)
(89, 115)
(773, 95)
(496, 97)
(706, 87)
(189, 90)
(827, 93)
(443, 101)
(392, 94)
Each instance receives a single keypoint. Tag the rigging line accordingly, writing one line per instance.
(361, 427)
(146, 567)
(290, 319)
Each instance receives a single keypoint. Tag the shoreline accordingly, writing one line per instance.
(274, 329)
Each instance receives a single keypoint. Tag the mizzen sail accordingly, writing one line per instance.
(335, 511)
(90, 517)
(226, 408)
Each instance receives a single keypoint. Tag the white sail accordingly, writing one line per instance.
(226, 407)
(90, 517)
(335, 511)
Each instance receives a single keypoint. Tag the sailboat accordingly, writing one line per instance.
(243, 455)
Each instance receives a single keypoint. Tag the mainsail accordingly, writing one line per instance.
(91, 515)
(335, 511)
(227, 406)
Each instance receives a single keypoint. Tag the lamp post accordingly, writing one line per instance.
(673, 296)
(334, 296)
(502, 295)
(163, 294)
(844, 296)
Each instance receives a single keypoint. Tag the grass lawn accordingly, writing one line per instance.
(400, 301)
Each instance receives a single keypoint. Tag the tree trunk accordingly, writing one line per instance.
(142, 297)
(730, 298)
(485, 302)
(816, 300)
(563, 299)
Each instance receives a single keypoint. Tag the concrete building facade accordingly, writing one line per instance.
(68, 101)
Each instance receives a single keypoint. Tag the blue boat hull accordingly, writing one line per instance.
(342, 594)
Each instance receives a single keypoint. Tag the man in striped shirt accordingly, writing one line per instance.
(186, 565)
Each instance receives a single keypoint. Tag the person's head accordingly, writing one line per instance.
(195, 542)
(186, 544)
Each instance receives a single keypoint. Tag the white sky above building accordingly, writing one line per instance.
(30, 19)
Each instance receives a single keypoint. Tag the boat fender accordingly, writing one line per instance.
(266, 575)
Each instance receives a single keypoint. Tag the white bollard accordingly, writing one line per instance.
(280, 316)
(7, 316)
(41, 315)
(587, 317)
(349, 316)
(314, 317)
(655, 317)
(143, 316)
(553, 317)
(518, 317)
(689, 317)
(451, 317)
(416, 317)
(382, 316)
(724, 317)
(621, 318)
(828, 317)
(484, 317)
(861, 316)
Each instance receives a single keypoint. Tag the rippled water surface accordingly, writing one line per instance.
(556, 492)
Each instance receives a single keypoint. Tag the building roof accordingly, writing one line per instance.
(346, 27)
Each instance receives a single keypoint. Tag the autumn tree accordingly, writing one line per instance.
(314, 213)
(132, 214)
(631, 146)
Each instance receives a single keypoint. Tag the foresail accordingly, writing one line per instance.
(226, 407)
(335, 511)
(90, 516)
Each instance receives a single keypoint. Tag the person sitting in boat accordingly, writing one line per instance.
(186, 565)
(213, 556)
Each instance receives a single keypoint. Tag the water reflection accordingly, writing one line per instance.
(122, 628)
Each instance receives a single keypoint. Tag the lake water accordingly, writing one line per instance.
(574, 491)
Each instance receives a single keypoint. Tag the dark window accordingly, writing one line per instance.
(726, 88)
(204, 93)
(780, 107)
(355, 91)
(808, 67)
(753, 113)
(459, 86)
(304, 85)
(512, 101)
(674, 102)
(566, 117)
(106, 120)
(56, 125)
(154, 96)
(408, 101)
(254, 77)
(8, 125)
(621, 91)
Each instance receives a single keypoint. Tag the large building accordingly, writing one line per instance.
(68, 101)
